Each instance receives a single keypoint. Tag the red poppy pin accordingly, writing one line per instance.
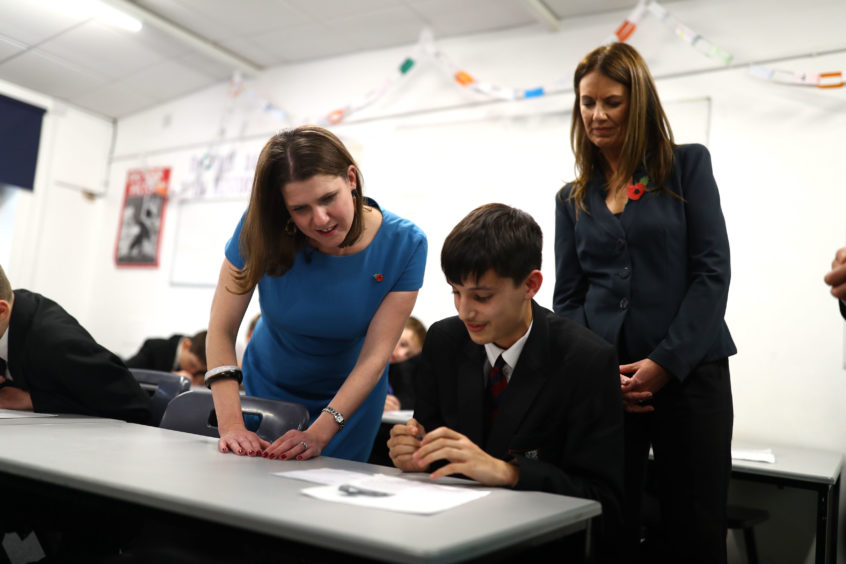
(378, 277)
(635, 191)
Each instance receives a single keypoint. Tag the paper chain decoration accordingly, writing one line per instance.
(426, 46)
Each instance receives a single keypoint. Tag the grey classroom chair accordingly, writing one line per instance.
(162, 387)
(193, 412)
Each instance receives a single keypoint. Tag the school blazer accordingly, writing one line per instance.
(560, 418)
(156, 354)
(659, 274)
(64, 370)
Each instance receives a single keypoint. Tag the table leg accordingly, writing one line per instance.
(828, 500)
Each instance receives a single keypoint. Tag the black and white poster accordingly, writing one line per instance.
(142, 217)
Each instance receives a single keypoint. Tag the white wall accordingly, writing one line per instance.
(48, 233)
(777, 154)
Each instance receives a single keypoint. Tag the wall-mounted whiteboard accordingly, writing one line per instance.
(204, 226)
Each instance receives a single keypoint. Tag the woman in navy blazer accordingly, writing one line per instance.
(642, 259)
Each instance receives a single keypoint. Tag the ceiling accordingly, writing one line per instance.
(187, 45)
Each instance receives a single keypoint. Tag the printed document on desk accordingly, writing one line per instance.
(388, 492)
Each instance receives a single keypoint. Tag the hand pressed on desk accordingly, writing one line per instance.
(296, 445)
(240, 441)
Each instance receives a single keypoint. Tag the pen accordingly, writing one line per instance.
(355, 490)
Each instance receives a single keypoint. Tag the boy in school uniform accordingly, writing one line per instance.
(50, 363)
(509, 394)
(178, 353)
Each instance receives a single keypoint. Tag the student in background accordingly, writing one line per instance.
(179, 353)
(642, 259)
(509, 394)
(49, 363)
(836, 278)
(337, 276)
(252, 327)
(404, 363)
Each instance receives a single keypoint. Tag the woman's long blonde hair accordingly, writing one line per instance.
(647, 128)
(293, 155)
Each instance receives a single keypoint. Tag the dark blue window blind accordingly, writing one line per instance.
(20, 132)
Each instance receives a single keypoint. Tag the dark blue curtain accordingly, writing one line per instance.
(20, 132)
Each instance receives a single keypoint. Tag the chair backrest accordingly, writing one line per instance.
(162, 387)
(193, 412)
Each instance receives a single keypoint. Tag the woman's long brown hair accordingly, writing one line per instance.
(647, 128)
(291, 156)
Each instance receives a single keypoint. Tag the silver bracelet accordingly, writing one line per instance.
(219, 370)
(339, 419)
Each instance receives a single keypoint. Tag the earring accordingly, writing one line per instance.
(354, 194)
(290, 227)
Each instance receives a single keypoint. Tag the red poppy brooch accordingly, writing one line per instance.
(635, 191)
(378, 277)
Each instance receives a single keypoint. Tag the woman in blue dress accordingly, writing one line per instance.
(337, 278)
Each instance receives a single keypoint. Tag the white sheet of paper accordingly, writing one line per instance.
(754, 454)
(16, 414)
(406, 496)
(399, 416)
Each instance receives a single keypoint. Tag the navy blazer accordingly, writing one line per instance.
(560, 418)
(656, 279)
(156, 354)
(64, 369)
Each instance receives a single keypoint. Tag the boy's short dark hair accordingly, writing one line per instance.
(198, 345)
(492, 237)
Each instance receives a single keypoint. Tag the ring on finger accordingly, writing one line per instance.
(305, 445)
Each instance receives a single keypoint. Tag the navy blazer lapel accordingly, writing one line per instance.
(596, 199)
(527, 380)
(471, 391)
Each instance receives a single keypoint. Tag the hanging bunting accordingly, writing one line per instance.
(629, 25)
(819, 80)
(688, 35)
(467, 81)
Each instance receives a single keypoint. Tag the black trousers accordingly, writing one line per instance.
(690, 435)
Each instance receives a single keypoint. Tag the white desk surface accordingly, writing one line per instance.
(185, 474)
(805, 464)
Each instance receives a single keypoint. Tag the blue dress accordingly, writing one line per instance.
(314, 320)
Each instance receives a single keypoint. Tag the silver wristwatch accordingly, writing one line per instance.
(339, 419)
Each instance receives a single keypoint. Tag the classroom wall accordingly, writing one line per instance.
(46, 235)
(431, 151)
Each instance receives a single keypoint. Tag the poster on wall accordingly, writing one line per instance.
(142, 217)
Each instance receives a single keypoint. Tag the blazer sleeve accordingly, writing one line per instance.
(571, 285)
(701, 312)
(78, 375)
(427, 408)
(591, 463)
